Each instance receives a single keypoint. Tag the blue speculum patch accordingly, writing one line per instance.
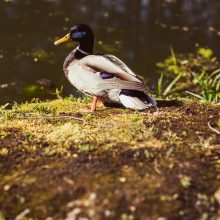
(106, 75)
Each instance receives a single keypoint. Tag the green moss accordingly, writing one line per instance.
(90, 117)
(44, 110)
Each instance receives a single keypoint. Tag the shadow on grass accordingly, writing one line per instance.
(168, 103)
(160, 104)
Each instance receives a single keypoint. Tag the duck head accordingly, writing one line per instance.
(82, 34)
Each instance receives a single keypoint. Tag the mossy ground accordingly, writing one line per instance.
(113, 164)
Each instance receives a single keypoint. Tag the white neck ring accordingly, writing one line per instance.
(82, 51)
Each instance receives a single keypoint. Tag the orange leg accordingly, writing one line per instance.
(94, 101)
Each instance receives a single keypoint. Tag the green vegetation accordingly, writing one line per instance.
(44, 110)
(168, 90)
(57, 161)
(209, 86)
(202, 60)
(199, 74)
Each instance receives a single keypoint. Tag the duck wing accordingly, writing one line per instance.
(110, 64)
(119, 63)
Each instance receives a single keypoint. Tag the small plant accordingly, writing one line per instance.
(161, 91)
(90, 117)
(58, 92)
(159, 85)
(30, 137)
(3, 107)
(135, 118)
(209, 86)
(44, 110)
(70, 98)
(148, 154)
(4, 134)
(85, 100)
(7, 116)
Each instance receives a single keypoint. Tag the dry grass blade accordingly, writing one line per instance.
(213, 129)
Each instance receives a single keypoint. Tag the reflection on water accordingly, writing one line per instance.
(139, 32)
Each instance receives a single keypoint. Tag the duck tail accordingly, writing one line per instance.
(136, 99)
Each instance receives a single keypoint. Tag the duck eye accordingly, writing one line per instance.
(79, 35)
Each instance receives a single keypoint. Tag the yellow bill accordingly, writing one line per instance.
(63, 40)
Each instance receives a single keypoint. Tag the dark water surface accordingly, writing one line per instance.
(140, 32)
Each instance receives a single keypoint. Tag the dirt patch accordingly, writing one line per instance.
(120, 164)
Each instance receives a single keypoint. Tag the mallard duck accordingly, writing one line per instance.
(104, 77)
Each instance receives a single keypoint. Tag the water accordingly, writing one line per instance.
(139, 32)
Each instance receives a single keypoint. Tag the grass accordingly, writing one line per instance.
(161, 91)
(198, 75)
(112, 164)
(44, 110)
(209, 85)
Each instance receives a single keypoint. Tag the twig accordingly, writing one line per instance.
(22, 214)
(52, 117)
(49, 117)
(213, 129)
